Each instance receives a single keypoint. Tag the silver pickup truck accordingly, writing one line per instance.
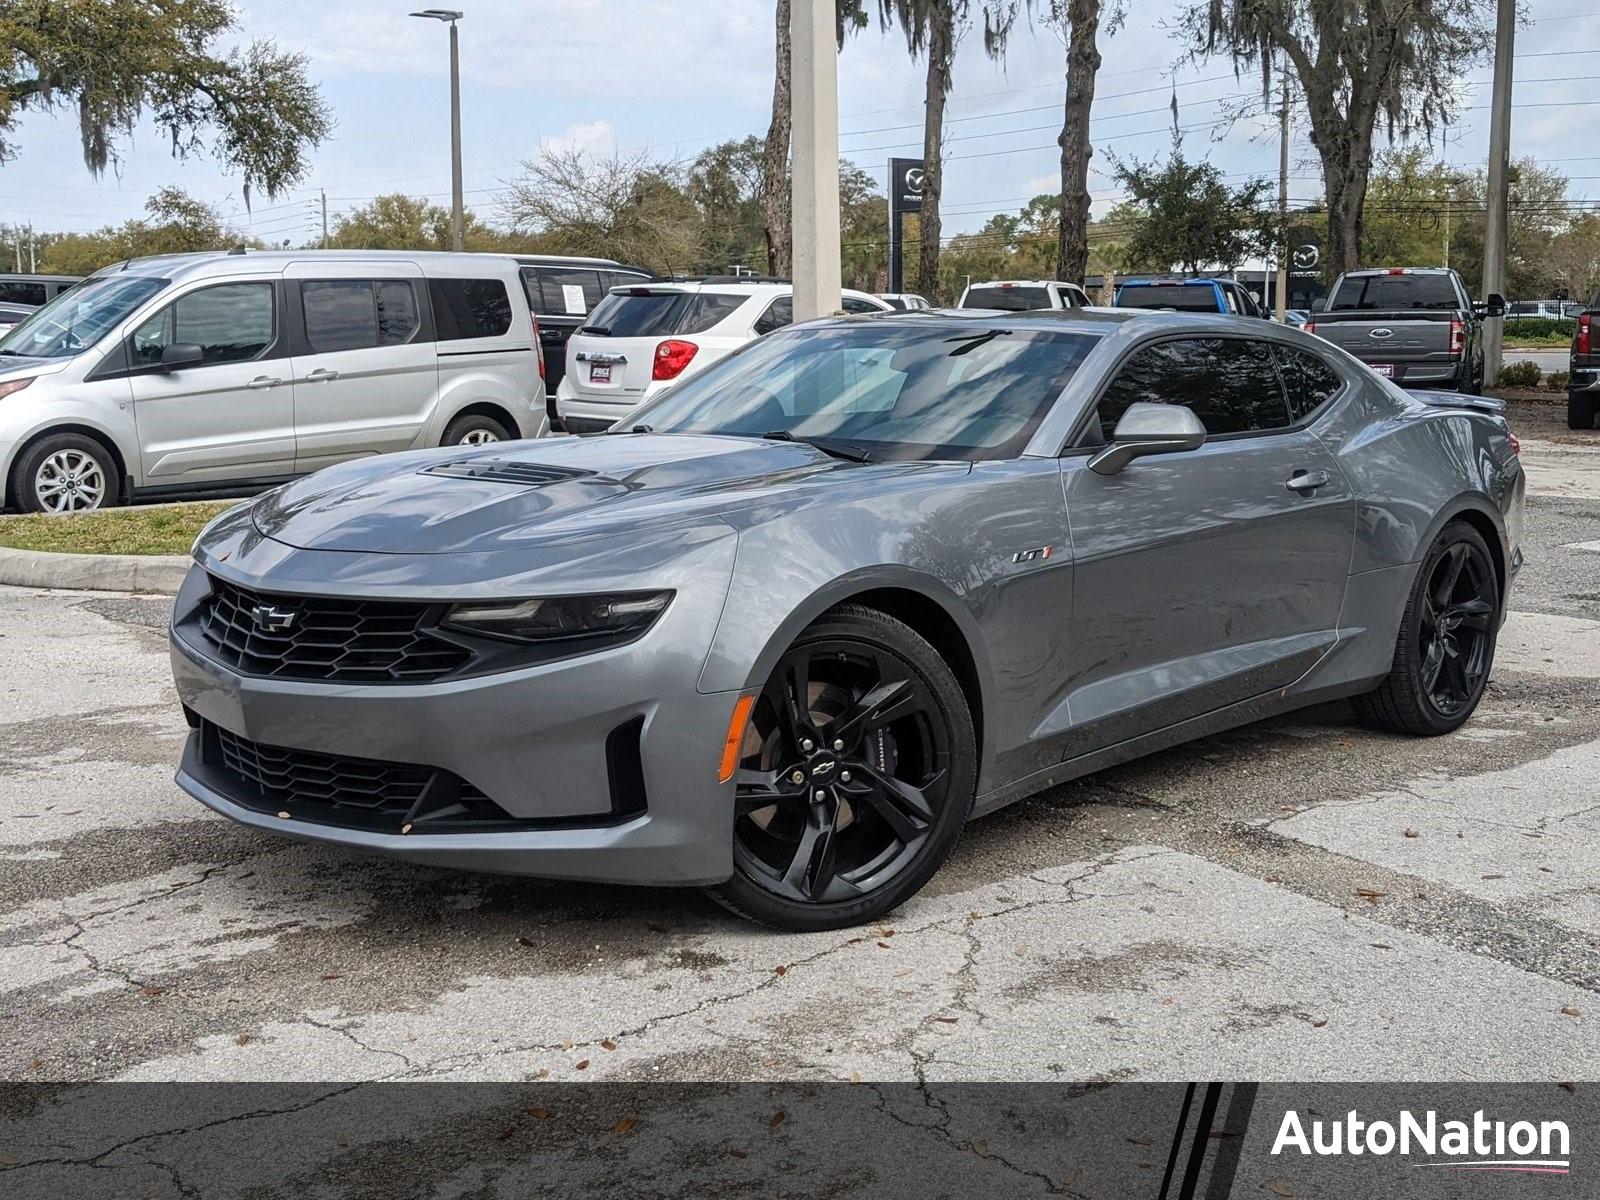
(1414, 325)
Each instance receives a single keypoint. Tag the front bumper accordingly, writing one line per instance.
(534, 740)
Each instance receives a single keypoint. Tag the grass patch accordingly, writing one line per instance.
(155, 529)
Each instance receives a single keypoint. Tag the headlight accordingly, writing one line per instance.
(615, 617)
(15, 385)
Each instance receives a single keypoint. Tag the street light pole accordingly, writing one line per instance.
(457, 217)
(1494, 234)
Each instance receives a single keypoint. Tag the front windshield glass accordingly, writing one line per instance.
(885, 392)
(80, 316)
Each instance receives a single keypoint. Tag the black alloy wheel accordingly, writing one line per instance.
(1447, 639)
(856, 774)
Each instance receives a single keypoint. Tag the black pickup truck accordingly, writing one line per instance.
(1583, 379)
(1415, 325)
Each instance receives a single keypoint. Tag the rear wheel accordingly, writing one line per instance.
(1447, 638)
(857, 773)
(65, 473)
(1580, 411)
(475, 429)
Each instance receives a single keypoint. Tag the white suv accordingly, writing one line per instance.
(644, 338)
(1023, 295)
(204, 372)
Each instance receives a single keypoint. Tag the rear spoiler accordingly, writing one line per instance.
(1486, 404)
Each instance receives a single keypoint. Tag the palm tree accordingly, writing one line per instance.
(932, 29)
(1078, 24)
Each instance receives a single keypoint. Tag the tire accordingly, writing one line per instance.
(66, 472)
(847, 846)
(475, 429)
(1441, 666)
(1580, 411)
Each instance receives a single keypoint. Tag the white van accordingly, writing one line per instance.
(202, 372)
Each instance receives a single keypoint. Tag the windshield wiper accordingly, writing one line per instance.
(972, 341)
(827, 445)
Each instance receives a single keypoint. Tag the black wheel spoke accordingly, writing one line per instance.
(811, 869)
(1473, 614)
(1449, 574)
(1432, 661)
(904, 809)
(795, 709)
(881, 705)
(757, 789)
(1455, 676)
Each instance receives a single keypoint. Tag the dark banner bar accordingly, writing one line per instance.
(1147, 1141)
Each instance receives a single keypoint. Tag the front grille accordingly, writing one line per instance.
(506, 470)
(357, 793)
(324, 638)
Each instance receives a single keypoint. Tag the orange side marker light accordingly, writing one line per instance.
(730, 747)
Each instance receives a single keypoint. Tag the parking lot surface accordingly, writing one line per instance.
(1301, 899)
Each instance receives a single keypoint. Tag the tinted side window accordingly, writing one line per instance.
(340, 314)
(611, 279)
(565, 292)
(778, 314)
(854, 304)
(469, 308)
(17, 291)
(397, 311)
(1230, 383)
(707, 309)
(1309, 381)
(232, 322)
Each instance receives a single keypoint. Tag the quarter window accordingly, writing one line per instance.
(469, 308)
(779, 313)
(854, 304)
(19, 291)
(232, 322)
(566, 292)
(1229, 383)
(1308, 380)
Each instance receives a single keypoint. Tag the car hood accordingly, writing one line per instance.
(513, 494)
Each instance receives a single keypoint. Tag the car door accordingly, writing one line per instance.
(231, 416)
(1207, 577)
(561, 298)
(365, 368)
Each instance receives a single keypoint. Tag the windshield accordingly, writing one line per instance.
(80, 316)
(1395, 292)
(1007, 299)
(913, 392)
(1196, 298)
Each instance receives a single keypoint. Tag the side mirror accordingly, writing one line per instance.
(181, 354)
(1494, 305)
(1149, 429)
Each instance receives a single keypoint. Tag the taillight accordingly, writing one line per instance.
(538, 350)
(1458, 336)
(1584, 343)
(672, 356)
(1516, 445)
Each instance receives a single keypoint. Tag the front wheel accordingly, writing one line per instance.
(1447, 638)
(475, 429)
(66, 473)
(857, 772)
(1580, 411)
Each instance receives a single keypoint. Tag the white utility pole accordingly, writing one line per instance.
(323, 192)
(1281, 308)
(1494, 237)
(814, 97)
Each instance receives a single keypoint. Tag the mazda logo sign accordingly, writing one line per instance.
(914, 179)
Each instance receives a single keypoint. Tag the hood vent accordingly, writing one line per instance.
(506, 470)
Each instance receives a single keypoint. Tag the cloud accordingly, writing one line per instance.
(591, 137)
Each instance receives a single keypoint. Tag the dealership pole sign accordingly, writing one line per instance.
(905, 196)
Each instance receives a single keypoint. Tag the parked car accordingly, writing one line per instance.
(1542, 310)
(33, 290)
(1023, 295)
(1296, 317)
(643, 339)
(192, 372)
(1583, 372)
(905, 301)
(1415, 325)
(562, 293)
(1189, 295)
(867, 579)
(12, 315)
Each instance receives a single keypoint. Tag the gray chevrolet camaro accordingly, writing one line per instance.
(793, 622)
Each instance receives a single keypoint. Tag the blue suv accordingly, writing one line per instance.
(1189, 295)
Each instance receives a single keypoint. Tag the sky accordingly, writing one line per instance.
(675, 77)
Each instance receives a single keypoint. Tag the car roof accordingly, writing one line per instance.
(1201, 280)
(1022, 283)
(1399, 270)
(727, 284)
(571, 260)
(241, 261)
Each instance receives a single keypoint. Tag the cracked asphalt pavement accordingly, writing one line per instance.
(1297, 900)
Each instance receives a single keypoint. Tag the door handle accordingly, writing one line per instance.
(1306, 482)
(321, 375)
(264, 381)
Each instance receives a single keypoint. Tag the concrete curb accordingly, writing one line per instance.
(160, 573)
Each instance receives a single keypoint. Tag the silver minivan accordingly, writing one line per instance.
(204, 372)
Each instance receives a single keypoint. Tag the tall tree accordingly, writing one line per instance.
(1078, 23)
(114, 60)
(1357, 62)
(933, 28)
(400, 222)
